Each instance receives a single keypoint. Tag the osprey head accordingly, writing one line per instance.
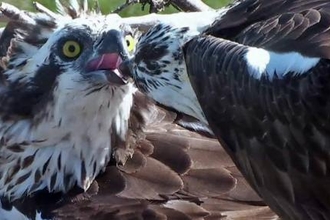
(158, 68)
(79, 58)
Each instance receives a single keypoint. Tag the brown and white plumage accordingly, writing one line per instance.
(173, 173)
(260, 75)
(60, 102)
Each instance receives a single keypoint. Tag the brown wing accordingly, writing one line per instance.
(307, 33)
(247, 12)
(280, 25)
(173, 173)
(274, 129)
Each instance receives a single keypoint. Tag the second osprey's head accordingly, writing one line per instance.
(158, 68)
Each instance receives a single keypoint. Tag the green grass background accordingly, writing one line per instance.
(109, 5)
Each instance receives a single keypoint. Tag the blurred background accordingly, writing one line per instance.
(109, 5)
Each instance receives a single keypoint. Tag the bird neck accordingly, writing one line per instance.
(69, 145)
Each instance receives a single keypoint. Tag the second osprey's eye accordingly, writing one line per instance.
(71, 49)
(130, 42)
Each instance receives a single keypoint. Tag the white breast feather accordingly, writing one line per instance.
(74, 133)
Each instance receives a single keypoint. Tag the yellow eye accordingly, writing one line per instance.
(130, 41)
(71, 49)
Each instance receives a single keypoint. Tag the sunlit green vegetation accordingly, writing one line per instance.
(109, 5)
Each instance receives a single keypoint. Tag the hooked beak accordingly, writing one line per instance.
(111, 53)
(109, 62)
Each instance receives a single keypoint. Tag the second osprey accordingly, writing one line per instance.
(260, 75)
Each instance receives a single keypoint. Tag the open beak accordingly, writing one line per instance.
(111, 52)
(109, 62)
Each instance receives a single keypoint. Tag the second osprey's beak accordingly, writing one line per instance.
(111, 53)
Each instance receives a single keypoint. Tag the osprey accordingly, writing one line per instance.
(61, 101)
(260, 75)
(65, 112)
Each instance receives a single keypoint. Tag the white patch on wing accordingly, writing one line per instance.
(260, 61)
(257, 61)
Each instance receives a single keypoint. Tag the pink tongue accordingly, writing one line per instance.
(109, 61)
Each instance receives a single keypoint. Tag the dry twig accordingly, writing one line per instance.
(13, 13)
(155, 5)
(143, 23)
(204, 15)
(39, 7)
(125, 5)
(159, 5)
(191, 5)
